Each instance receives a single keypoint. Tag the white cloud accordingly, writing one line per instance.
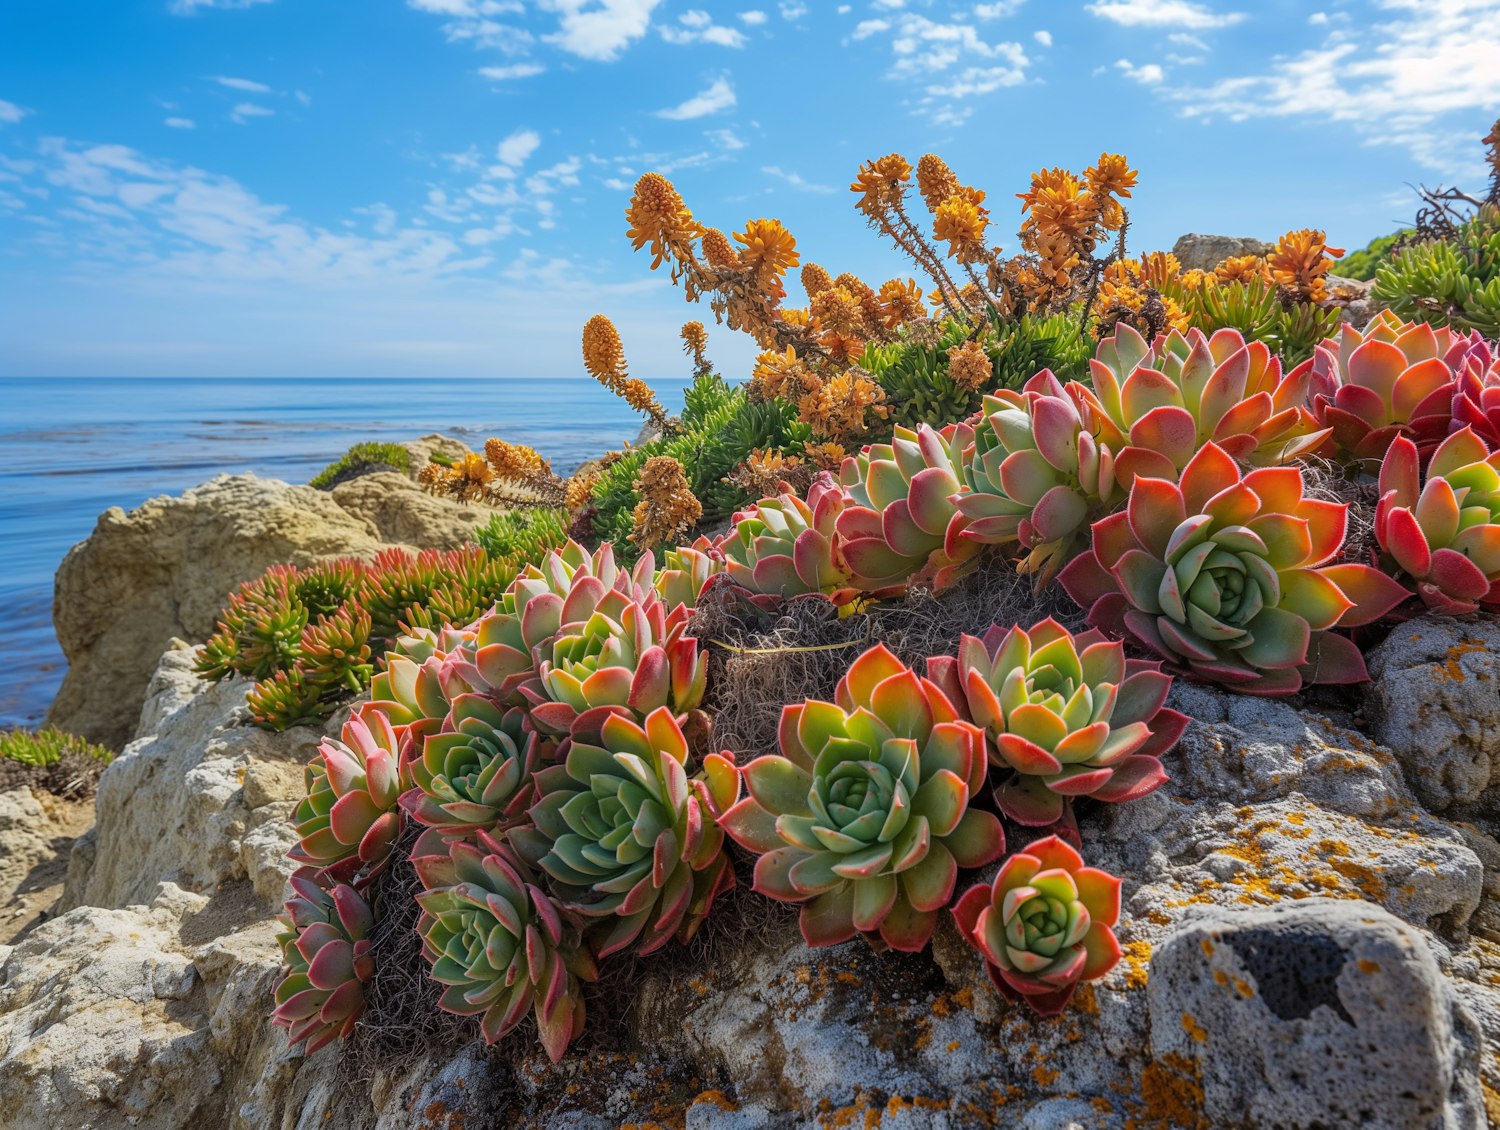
(795, 181)
(181, 123)
(866, 28)
(718, 96)
(1042, 37)
(514, 70)
(843, 9)
(242, 84)
(793, 9)
(753, 18)
(1318, 18)
(305, 99)
(1183, 39)
(599, 29)
(925, 47)
(724, 138)
(190, 7)
(699, 27)
(244, 111)
(998, 10)
(473, 21)
(516, 148)
(616, 184)
(1162, 13)
(1392, 82)
(10, 112)
(978, 80)
(1148, 75)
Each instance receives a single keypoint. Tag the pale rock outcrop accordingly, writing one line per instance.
(25, 838)
(165, 570)
(1205, 252)
(1434, 699)
(419, 451)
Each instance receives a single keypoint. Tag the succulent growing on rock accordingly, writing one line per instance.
(1044, 925)
(903, 523)
(1227, 578)
(349, 818)
(784, 546)
(1070, 715)
(1389, 381)
(499, 945)
(1036, 475)
(476, 773)
(864, 817)
(626, 836)
(1154, 406)
(1446, 537)
(326, 961)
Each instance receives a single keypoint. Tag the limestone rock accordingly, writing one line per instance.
(420, 451)
(402, 512)
(1434, 699)
(1316, 1014)
(164, 570)
(1205, 252)
(173, 807)
(24, 838)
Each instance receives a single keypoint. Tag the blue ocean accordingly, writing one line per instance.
(72, 448)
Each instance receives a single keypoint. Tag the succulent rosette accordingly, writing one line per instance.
(1070, 715)
(499, 944)
(615, 648)
(685, 571)
(1035, 476)
(1476, 402)
(1154, 406)
(1391, 380)
(1445, 538)
(1227, 578)
(784, 546)
(864, 817)
(1044, 925)
(627, 838)
(326, 961)
(901, 523)
(477, 772)
(349, 818)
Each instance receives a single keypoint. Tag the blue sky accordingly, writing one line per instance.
(436, 187)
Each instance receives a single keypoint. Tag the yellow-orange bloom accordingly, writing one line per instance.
(969, 366)
(935, 181)
(1159, 268)
(667, 506)
(900, 302)
(718, 250)
(839, 311)
(1300, 261)
(1111, 176)
(658, 217)
(879, 183)
(769, 250)
(961, 223)
(1242, 269)
(815, 280)
(603, 355)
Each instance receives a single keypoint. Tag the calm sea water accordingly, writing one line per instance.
(70, 449)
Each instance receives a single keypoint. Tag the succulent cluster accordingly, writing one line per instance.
(326, 961)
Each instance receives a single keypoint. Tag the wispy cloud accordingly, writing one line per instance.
(718, 96)
(998, 10)
(753, 18)
(1162, 13)
(516, 148)
(794, 180)
(599, 29)
(932, 53)
(190, 7)
(514, 70)
(724, 138)
(242, 84)
(793, 9)
(180, 123)
(244, 111)
(1042, 37)
(10, 112)
(699, 27)
(1148, 75)
(1392, 82)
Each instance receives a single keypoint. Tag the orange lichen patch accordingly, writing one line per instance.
(848, 978)
(1044, 1076)
(1208, 947)
(1491, 1103)
(1137, 955)
(699, 985)
(1085, 1000)
(1243, 988)
(716, 1098)
(945, 1003)
(1455, 653)
(954, 1045)
(1194, 1029)
(862, 1114)
(1102, 1105)
(1368, 966)
(1221, 978)
(896, 1104)
(1172, 1094)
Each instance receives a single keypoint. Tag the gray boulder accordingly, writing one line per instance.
(1205, 252)
(1315, 1014)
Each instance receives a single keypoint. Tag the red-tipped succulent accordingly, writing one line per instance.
(864, 818)
(349, 819)
(326, 961)
(1045, 925)
(1445, 538)
(1156, 405)
(477, 772)
(1228, 578)
(787, 547)
(902, 524)
(1069, 716)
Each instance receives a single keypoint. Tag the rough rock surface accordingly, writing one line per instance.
(1272, 815)
(1205, 252)
(420, 451)
(1434, 699)
(164, 570)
